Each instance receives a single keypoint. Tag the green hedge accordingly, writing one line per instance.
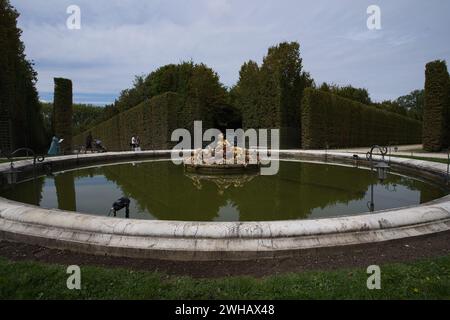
(63, 112)
(21, 123)
(153, 121)
(436, 121)
(338, 122)
(448, 113)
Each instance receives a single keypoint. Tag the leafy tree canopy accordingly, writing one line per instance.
(410, 105)
(84, 117)
(413, 103)
(349, 92)
(185, 79)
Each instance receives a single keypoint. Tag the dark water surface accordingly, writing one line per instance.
(161, 190)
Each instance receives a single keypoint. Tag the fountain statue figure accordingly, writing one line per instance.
(222, 158)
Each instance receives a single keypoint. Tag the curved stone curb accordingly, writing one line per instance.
(180, 240)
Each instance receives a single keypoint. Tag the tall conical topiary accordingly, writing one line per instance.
(435, 116)
(62, 116)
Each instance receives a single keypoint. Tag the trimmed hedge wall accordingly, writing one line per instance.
(338, 122)
(436, 121)
(153, 121)
(63, 112)
(448, 113)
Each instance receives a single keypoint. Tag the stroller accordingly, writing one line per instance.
(98, 146)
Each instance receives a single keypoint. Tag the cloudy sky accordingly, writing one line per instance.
(122, 38)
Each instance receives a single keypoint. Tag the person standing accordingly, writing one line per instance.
(88, 142)
(54, 147)
(138, 144)
(133, 143)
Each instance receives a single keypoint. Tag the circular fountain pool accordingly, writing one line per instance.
(160, 190)
(180, 216)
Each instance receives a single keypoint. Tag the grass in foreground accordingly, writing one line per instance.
(429, 279)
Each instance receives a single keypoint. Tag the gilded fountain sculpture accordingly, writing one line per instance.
(223, 158)
(223, 164)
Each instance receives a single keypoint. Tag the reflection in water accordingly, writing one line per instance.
(29, 192)
(161, 190)
(223, 182)
(65, 191)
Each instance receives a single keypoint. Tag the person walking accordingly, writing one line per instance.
(88, 143)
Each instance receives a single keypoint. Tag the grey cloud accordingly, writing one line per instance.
(122, 38)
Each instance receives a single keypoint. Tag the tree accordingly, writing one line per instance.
(409, 105)
(47, 117)
(283, 83)
(356, 94)
(198, 89)
(392, 106)
(20, 117)
(85, 115)
(325, 87)
(246, 94)
(204, 94)
(270, 96)
(413, 103)
(131, 97)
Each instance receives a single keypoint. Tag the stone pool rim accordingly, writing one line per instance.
(184, 240)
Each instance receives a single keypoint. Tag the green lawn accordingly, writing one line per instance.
(429, 279)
